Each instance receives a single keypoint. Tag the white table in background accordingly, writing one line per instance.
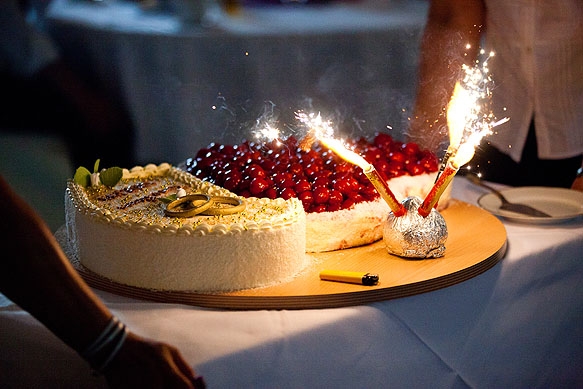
(188, 85)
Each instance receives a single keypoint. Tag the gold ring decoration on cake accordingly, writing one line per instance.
(179, 208)
(234, 205)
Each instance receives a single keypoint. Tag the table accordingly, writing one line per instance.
(517, 325)
(188, 85)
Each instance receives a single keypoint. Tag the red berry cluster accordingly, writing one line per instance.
(318, 177)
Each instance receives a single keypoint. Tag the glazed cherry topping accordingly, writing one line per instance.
(321, 180)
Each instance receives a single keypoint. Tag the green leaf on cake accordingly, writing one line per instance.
(108, 177)
(111, 176)
(82, 177)
(168, 199)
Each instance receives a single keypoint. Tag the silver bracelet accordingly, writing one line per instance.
(115, 331)
(101, 340)
(119, 344)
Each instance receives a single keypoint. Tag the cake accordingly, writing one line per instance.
(343, 209)
(127, 233)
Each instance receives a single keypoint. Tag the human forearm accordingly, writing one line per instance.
(39, 278)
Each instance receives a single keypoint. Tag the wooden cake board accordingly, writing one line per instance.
(476, 242)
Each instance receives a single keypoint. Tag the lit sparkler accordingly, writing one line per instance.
(323, 131)
(467, 111)
(469, 120)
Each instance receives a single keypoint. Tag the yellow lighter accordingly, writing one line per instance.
(353, 277)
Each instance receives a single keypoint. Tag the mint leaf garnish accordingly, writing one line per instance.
(96, 166)
(82, 177)
(168, 199)
(111, 176)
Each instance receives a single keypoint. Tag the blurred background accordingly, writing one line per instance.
(137, 82)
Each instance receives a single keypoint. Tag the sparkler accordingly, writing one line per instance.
(469, 120)
(323, 131)
(467, 111)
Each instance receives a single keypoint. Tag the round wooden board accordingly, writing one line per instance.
(476, 242)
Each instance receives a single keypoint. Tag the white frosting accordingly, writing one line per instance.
(123, 234)
(362, 224)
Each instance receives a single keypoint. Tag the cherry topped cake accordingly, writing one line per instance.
(342, 206)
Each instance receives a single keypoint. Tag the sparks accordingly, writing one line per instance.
(469, 120)
(323, 131)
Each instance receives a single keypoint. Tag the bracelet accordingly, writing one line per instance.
(118, 345)
(115, 331)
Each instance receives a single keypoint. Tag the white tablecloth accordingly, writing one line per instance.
(188, 85)
(518, 325)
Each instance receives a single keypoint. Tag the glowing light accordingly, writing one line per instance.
(469, 120)
(323, 131)
(340, 149)
(265, 128)
(267, 132)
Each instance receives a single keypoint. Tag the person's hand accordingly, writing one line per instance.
(142, 363)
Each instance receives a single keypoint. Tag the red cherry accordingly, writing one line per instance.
(270, 193)
(342, 186)
(348, 203)
(397, 157)
(306, 198)
(257, 186)
(255, 170)
(411, 149)
(430, 163)
(232, 180)
(373, 154)
(335, 197)
(268, 165)
(287, 193)
(334, 207)
(321, 195)
(318, 208)
(295, 168)
(383, 140)
(415, 168)
(302, 185)
(369, 193)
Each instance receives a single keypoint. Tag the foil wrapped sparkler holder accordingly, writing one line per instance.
(415, 236)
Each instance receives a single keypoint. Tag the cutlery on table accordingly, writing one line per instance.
(508, 205)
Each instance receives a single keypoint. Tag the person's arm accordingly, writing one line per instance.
(38, 277)
(451, 38)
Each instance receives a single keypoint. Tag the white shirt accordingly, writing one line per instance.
(537, 71)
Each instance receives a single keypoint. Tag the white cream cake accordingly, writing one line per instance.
(123, 234)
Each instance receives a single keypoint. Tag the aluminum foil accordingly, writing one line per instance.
(413, 235)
